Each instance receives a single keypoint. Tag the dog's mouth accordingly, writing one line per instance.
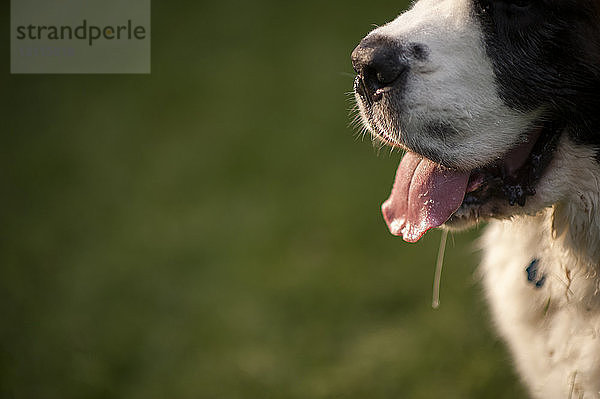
(426, 194)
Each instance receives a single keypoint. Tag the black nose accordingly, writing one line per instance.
(379, 64)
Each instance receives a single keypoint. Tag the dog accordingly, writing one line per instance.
(497, 105)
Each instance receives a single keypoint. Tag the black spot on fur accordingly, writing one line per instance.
(441, 129)
(419, 51)
(532, 274)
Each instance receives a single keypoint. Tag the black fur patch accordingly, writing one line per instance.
(533, 276)
(547, 53)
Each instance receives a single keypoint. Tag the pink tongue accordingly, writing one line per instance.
(424, 196)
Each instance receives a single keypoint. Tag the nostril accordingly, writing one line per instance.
(381, 75)
(388, 73)
(385, 77)
(379, 62)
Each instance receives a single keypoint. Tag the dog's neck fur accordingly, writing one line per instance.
(572, 223)
(575, 226)
(542, 280)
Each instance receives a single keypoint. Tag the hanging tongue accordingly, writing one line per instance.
(424, 196)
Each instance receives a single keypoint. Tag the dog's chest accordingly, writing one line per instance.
(546, 305)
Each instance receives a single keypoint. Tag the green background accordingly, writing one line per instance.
(212, 230)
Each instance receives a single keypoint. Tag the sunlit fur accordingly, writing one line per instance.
(487, 94)
(454, 86)
(553, 331)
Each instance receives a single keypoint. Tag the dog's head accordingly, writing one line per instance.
(491, 99)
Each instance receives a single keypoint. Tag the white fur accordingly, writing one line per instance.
(454, 85)
(552, 331)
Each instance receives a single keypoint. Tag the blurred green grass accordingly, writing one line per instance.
(213, 230)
